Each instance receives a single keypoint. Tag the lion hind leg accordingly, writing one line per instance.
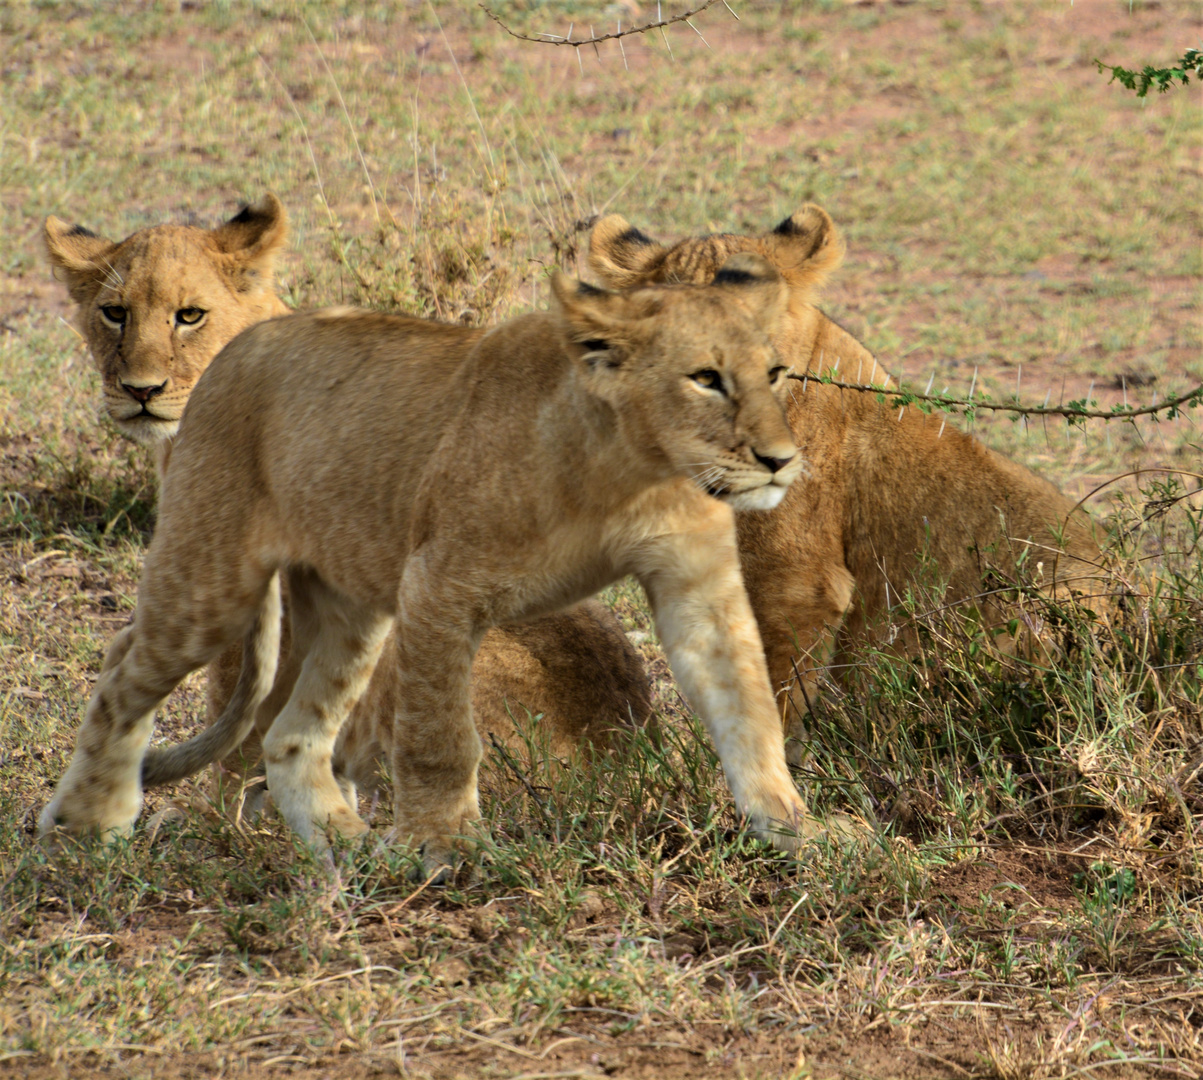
(239, 779)
(260, 651)
(799, 647)
(335, 665)
(101, 791)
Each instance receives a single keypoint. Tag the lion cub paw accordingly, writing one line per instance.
(805, 827)
(345, 823)
(76, 817)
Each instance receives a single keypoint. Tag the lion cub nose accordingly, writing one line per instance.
(773, 464)
(143, 393)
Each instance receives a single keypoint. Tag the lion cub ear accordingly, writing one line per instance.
(78, 252)
(621, 255)
(806, 247)
(602, 325)
(250, 241)
(759, 288)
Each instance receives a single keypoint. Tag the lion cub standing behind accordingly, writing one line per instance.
(390, 476)
(155, 309)
(890, 497)
(158, 306)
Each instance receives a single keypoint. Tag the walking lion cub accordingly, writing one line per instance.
(155, 309)
(390, 474)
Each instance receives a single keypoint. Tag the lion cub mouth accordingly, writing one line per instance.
(147, 427)
(765, 496)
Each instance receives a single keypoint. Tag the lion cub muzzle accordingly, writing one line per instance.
(142, 393)
(761, 483)
(782, 473)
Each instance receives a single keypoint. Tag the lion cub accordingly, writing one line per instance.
(389, 475)
(155, 309)
(889, 494)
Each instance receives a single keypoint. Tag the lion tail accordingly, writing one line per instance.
(260, 653)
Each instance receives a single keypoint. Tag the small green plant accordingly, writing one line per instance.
(1107, 884)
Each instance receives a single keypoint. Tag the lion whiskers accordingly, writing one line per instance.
(707, 478)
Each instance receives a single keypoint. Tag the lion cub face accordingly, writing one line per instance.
(698, 388)
(157, 307)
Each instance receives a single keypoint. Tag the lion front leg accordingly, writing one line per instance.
(800, 603)
(436, 750)
(709, 633)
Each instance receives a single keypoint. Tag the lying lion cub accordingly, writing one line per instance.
(155, 309)
(390, 476)
(887, 495)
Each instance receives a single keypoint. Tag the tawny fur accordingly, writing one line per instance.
(575, 669)
(390, 476)
(886, 500)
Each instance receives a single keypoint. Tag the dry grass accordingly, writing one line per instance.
(1031, 904)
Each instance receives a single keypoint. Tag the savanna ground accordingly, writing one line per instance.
(1031, 901)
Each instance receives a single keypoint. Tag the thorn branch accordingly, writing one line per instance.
(1073, 411)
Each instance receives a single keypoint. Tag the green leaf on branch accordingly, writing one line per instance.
(1140, 82)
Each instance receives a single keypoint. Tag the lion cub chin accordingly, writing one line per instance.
(387, 477)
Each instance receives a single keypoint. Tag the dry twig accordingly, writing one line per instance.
(594, 39)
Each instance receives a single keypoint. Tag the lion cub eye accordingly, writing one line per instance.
(113, 313)
(709, 379)
(189, 316)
